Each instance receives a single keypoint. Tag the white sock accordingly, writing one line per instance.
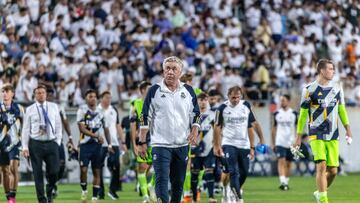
(228, 189)
(282, 179)
(287, 180)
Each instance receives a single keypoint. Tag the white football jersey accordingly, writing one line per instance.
(285, 123)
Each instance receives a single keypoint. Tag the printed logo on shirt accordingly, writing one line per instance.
(163, 96)
(183, 95)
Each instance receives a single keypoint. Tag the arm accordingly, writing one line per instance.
(58, 126)
(121, 136)
(26, 131)
(259, 132)
(344, 117)
(273, 132)
(304, 114)
(218, 125)
(85, 131)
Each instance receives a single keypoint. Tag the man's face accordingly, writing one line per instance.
(284, 102)
(203, 102)
(234, 97)
(172, 72)
(40, 95)
(7, 95)
(106, 100)
(328, 72)
(91, 99)
(213, 100)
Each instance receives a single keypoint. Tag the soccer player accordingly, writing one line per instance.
(283, 136)
(66, 127)
(323, 103)
(204, 158)
(172, 113)
(117, 140)
(90, 120)
(143, 163)
(11, 115)
(234, 138)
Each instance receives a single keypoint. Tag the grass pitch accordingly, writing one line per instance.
(346, 189)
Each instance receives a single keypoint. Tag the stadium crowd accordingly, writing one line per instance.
(265, 46)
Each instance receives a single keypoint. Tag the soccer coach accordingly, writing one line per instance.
(41, 138)
(171, 113)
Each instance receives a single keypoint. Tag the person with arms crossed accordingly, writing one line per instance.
(143, 164)
(90, 120)
(171, 112)
(234, 139)
(117, 141)
(41, 138)
(203, 156)
(283, 135)
(322, 101)
(11, 119)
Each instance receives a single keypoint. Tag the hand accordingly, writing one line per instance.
(218, 151)
(143, 151)
(136, 150)
(100, 139)
(252, 154)
(124, 147)
(193, 136)
(348, 135)
(273, 148)
(110, 149)
(70, 143)
(25, 153)
(296, 152)
(348, 138)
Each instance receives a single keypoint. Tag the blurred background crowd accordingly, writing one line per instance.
(267, 46)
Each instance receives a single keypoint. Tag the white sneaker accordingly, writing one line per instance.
(316, 196)
(152, 193)
(94, 200)
(233, 198)
(146, 199)
(225, 195)
(84, 195)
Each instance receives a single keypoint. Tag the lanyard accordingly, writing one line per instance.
(46, 112)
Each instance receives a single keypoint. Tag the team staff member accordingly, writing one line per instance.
(283, 136)
(41, 138)
(234, 138)
(170, 108)
(11, 116)
(117, 140)
(90, 120)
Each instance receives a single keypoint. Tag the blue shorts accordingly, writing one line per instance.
(235, 158)
(282, 152)
(90, 152)
(14, 153)
(200, 163)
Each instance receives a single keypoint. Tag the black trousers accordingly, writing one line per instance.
(113, 164)
(48, 152)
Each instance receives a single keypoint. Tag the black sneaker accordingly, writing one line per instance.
(284, 187)
(113, 195)
(102, 196)
(54, 192)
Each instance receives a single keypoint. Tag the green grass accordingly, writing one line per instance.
(346, 189)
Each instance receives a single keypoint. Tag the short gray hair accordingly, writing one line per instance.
(173, 59)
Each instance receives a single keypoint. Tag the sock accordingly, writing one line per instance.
(12, 193)
(282, 179)
(83, 186)
(152, 180)
(143, 184)
(96, 190)
(187, 183)
(323, 197)
(194, 183)
(287, 180)
(201, 177)
(210, 180)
